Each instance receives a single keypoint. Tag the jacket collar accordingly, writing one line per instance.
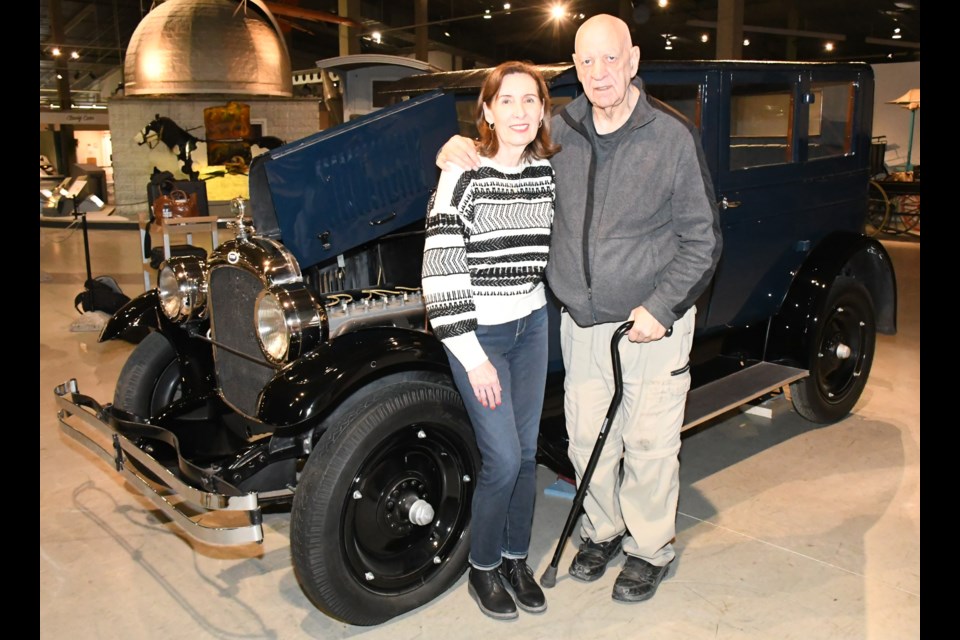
(577, 111)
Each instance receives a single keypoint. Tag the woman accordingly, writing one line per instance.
(487, 242)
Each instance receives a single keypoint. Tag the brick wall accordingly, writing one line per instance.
(285, 118)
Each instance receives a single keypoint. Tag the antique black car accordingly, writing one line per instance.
(294, 366)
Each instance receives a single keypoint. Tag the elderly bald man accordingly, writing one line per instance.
(636, 236)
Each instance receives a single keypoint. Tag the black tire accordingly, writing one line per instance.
(841, 354)
(356, 554)
(150, 378)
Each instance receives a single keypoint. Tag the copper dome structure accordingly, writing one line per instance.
(208, 47)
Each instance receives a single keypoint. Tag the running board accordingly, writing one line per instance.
(731, 391)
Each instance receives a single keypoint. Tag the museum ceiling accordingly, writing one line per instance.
(865, 30)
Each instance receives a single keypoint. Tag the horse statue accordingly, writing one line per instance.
(263, 144)
(177, 139)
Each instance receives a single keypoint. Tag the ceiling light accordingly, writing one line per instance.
(704, 37)
(506, 6)
(486, 14)
(662, 3)
(557, 11)
(59, 77)
(746, 42)
(74, 55)
(376, 36)
(446, 33)
(828, 46)
(55, 52)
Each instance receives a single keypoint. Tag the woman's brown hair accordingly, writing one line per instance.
(541, 147)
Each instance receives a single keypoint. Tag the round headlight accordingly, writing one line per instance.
(169, 293)
(272, 327)
(289, 322)
(182, 288)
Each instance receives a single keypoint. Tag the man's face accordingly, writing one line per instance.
(605, 64)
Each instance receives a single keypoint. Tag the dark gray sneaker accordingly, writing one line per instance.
(592, 559)
(638, 581)
(485, 587)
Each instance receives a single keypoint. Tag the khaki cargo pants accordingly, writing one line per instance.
(645, 433)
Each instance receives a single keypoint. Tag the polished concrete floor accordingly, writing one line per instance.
(785, 530)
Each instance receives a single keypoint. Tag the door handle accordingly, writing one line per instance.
(387, 218)
(729, 204)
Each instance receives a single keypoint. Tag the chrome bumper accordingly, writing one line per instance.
(187, 506)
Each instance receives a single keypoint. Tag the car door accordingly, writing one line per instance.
(760, 190)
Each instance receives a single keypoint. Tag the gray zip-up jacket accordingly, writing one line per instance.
(653, 238)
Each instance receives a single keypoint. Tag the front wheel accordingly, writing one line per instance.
(380, 518)
(150, 378)
(841, 354)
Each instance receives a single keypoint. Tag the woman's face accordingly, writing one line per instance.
(515, 112)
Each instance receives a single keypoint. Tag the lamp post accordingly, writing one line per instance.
(80, 210)
(910, 101)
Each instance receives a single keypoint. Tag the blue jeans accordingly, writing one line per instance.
(507, 438)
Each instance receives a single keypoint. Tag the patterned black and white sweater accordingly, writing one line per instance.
(487, 242)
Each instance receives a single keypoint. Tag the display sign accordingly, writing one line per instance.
(85, 116)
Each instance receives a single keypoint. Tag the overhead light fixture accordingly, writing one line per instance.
(662, 3)
(376, 36)
(446, 33)
(506, 6)
(486, 15)
(704, 37)
(828, 46)
(75, 55)
(557, 11)
(896, 33)
(55, 52)
(746, 42)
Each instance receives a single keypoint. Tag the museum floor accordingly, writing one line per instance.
(785, 530)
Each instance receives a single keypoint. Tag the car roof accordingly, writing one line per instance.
(564, 73)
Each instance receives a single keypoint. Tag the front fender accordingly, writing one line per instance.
(304, 390)
(139, 313)
(195, 354)
(839, 254)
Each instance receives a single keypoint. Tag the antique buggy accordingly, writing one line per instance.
(294, 366)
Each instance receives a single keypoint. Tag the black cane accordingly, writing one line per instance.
(549, 577)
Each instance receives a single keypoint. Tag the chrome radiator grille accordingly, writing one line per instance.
(231, 296)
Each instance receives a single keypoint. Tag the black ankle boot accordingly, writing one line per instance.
(518, 576)
(485, 587)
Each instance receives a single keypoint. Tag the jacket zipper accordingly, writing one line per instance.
(588, 213)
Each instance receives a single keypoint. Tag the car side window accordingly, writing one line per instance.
(467, 116)
(830, 133)
(761, 124)
(685, 98)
